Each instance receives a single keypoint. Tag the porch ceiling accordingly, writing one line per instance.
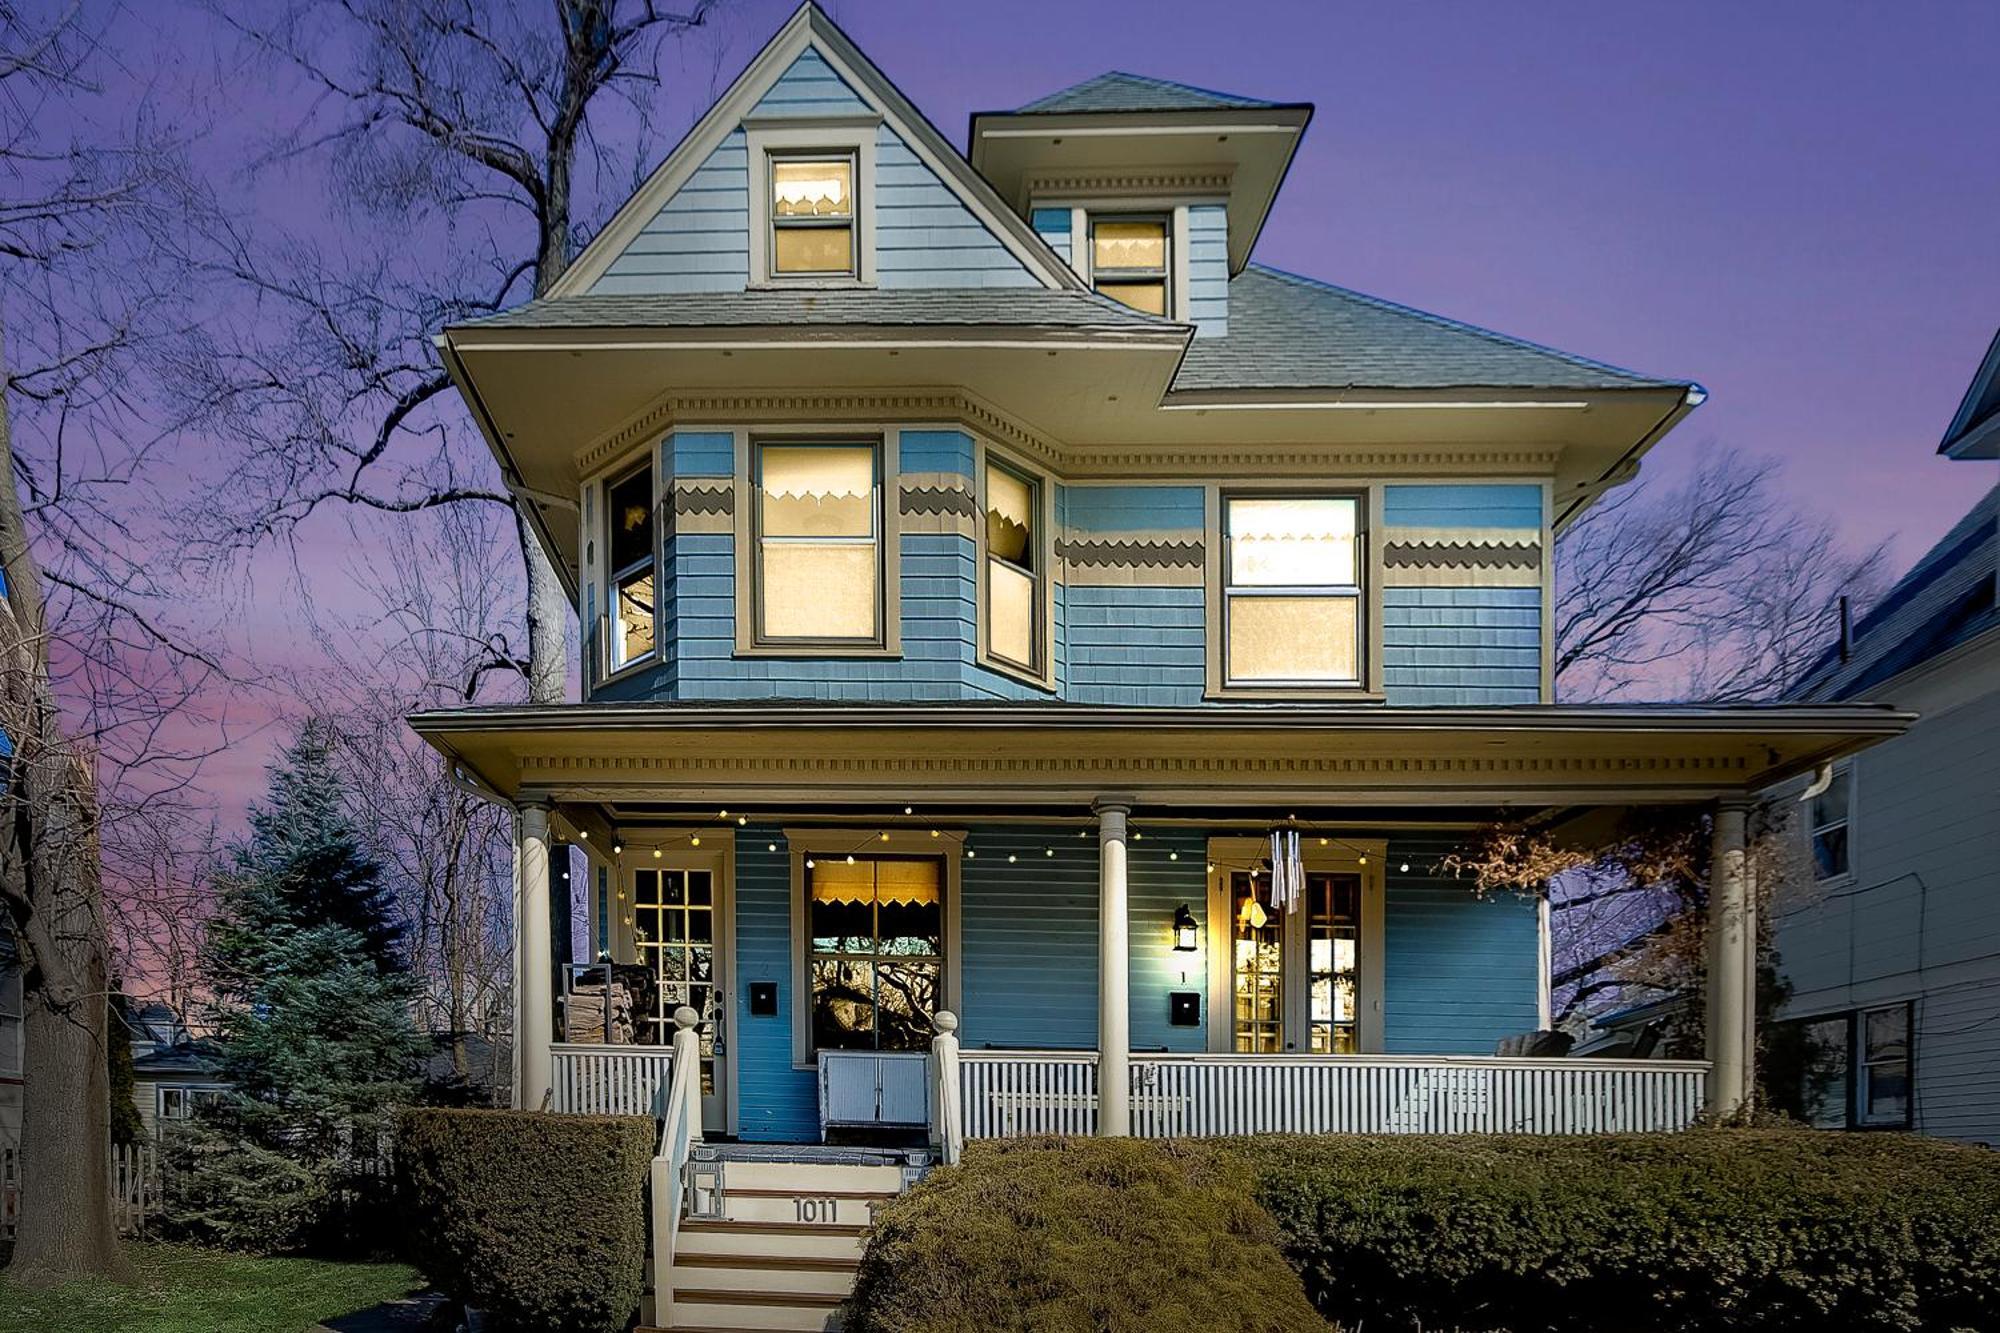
(1055, 756)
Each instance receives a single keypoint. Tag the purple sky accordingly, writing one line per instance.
(1795, 204)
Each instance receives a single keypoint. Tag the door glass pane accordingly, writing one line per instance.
(1257, 931)
(1333, 932)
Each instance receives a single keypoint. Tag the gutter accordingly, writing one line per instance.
(1627, 465)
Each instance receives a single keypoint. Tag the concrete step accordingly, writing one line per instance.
(700, 1308)
(810, 1177)
(765, 1273)
(775, 1240)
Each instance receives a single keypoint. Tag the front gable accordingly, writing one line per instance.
(924, 218)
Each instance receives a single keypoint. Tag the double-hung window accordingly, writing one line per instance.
(876, 971)
(1882, 1067)
(818, 542)
(1291, 588)
(633, 548)
(1130, 261)
(813, 216)
(1831, 811)
(1013, 568)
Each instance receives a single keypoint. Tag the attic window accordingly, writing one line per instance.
(812, 216)
(1129, 259)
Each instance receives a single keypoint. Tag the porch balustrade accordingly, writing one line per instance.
(607, 1080)
(1007, 1094)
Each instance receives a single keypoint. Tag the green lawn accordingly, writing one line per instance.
(199, 1291)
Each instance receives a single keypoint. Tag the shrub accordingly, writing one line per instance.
(1097, 1234)
(1716, 1229)
(536, 1219)
(219, 1188)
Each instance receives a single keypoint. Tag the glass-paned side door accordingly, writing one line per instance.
(1294, 974)
(1257, 961)
(673, 935)
(1333, 937)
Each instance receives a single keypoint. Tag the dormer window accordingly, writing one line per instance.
(813, 217)
(1129, 259)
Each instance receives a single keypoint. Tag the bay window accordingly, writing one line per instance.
(817, 532)
(1291, 590)
(1130, 260)
(632, 548)
(1014, 568)
(813, 216)
(875, 973)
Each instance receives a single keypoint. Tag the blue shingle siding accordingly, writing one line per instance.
(925, 236)
(1119, 509)
(775, 1102)
(810, 87)
(1468, 506)
(1462, 645)
(1135, 645)
(1053, 226)
(1208, 269)
(699, 241)
(1459, 973)
(705, 453)
(935, 451)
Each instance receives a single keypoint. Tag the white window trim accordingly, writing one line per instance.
(889, 556)
(801, 843)
(1043, 675)
(1846, 820)
(1229, 855)
(613, 667)
(1216, 617)
(1859, 1066)
(830, 135)
(1176, 207)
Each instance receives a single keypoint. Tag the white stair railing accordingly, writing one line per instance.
(947, 1104)
(680, 1130)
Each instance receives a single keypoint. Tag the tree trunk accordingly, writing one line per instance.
(51, 886)
(548, 619)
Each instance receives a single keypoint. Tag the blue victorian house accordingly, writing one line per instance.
(1009, 612)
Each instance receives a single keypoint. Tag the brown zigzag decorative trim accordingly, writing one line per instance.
(1130, 553)
(1433, 556)
(721, 501)
(938, 500)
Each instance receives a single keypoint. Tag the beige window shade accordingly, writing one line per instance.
(1010, 622)
(812, 590)
(818, 491)
(910, 883)
(1010, 517)
(1293, 639)
(812, 189)
(1293, 542)
(1129, 244)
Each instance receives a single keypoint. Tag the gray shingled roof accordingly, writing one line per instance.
(1945, 599)
(1289, 332)
(1116, 90)
(935, 307)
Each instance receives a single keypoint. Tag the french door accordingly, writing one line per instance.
(679, 929)
(1294, 975)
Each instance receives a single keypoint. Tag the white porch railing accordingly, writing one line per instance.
(607, 1080)
(1008, 1094)
(679, 1112)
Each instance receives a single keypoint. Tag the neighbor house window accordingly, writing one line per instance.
(1830, 814)
(1013, 567)
(819, 544)
(633, 549)
(1823, 1055)
(10, 1022)
(1291, 583)
(1129, 259)
(875, 973)
(1882, 1067)
(812, 216)
(185, 1103)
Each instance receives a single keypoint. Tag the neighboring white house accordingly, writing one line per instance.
(173, 1069)
(1895, 959)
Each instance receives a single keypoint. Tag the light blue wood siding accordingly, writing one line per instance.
(699, 241)
(925, 236)
(1459, 973)
(1462, 645)
(1468, 506)
(1053, 226)
(810, 87)
(1208, 269)
(1136, 645)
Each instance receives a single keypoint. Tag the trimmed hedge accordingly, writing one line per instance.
(1086, 1234)
(1711, 1230)
(536, 1219)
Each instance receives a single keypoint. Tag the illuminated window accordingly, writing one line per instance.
(876, 970)
(1291, 583)
(818, 542)
(634, 553)
(1013, 568)
(673, 936)
(1129, 259)
(1319, 944)
(812, 216)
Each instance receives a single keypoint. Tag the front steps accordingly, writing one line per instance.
(784, 1250)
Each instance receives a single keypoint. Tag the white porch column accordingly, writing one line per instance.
(1730, 981)
(534, 969)
(1114, 965)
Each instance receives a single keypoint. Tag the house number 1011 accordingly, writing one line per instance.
(816, 1210)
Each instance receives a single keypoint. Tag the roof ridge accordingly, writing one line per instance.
(1458, 325)
(1237, 100)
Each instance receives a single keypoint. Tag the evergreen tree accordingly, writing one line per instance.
(304, 956)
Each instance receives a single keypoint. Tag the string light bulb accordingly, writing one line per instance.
(1173, 856)
(809, 861)
(741, 820)
(1404, 868)
(770, 846)
(1011, 858)
(618, 849)
(584, 834)
(656, 851)
(1048, 851)
(724, 814)
(850, 858)
(885, 835)
(909, 810)
(934, 833)
(970, 854)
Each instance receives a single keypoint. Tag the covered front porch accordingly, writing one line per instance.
(1080, 899)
